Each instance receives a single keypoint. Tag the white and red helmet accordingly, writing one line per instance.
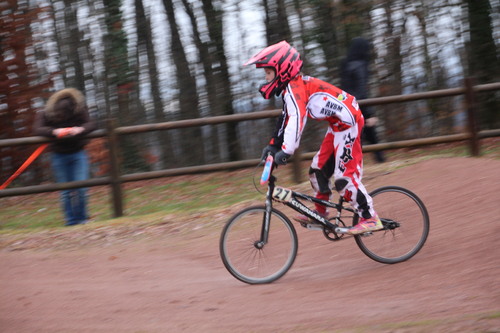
(286, 62)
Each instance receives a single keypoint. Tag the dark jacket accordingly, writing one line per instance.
(354, 71)
(50, 119)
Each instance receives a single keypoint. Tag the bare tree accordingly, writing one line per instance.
(389, 65)
(276, 22)
(147, 59)
(192, 146)
(483, 57)
(211, 149)
(70, 43)
(327, 36)
(214, 16)
(121, 89)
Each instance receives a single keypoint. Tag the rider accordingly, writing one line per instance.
(340, 154)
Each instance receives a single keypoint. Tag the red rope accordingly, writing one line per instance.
(30, 159)
(23, 167)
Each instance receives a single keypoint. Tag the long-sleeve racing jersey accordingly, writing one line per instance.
(308, 97)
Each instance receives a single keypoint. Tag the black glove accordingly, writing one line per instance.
(269, 149)
(281, 158)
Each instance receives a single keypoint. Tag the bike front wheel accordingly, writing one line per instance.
(406, 226)
(252, 256)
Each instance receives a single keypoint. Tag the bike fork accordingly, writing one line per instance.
(266, 221)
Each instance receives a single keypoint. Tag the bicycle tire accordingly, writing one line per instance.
(390, 246)
(244, 259)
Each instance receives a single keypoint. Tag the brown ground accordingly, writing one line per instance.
(127, 280)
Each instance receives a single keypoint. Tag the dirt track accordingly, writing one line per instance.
(175, 282)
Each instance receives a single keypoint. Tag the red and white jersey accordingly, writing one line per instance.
(308, 97)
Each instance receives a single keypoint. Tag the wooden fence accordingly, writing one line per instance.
(116, 179)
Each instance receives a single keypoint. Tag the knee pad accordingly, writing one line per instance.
(341, 184)
(319, 182)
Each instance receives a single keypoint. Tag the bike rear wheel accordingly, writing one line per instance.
(249, 259)
(406, 226)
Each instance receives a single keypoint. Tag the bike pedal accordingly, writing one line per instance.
(366, 234)
(340, 230)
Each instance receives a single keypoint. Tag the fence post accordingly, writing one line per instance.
(116, 189)
(470, 98)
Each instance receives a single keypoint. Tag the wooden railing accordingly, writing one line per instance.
(115, 179)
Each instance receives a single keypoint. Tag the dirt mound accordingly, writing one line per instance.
(169, 277)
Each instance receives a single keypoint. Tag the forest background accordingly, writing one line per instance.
(154, 61)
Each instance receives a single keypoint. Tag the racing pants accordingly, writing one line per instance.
(341, 156)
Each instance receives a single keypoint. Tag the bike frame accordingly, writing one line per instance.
(291, 199)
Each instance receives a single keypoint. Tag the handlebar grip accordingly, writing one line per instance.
(266, 173)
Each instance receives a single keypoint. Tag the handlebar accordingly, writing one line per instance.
(266, 173)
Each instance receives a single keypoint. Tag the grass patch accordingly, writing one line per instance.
(472, 322)
(493, 315)
(436, 325)
(188, 194)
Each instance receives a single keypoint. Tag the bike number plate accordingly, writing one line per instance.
(282, 194)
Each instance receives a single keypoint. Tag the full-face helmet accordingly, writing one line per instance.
(286, 62)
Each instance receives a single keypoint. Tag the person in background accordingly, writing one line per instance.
(66, 118)
(340, 155)
(354, 76)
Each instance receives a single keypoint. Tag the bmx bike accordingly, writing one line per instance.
(259, 244)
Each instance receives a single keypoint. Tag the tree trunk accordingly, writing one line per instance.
(145, 46)
(220, 71)
(395, 119)
(120, 87)
(71, 43)
(327, 38)
(212, 150)
(192, 146)
(483, 58)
